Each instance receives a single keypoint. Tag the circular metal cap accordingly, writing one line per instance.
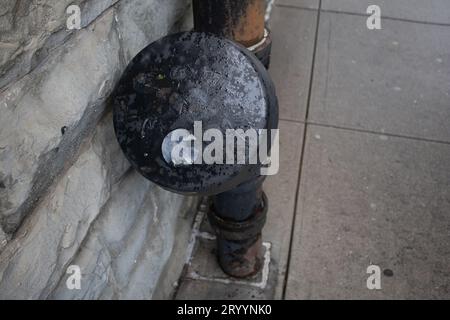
(182, 79)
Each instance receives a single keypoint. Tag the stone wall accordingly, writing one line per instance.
(67, 194)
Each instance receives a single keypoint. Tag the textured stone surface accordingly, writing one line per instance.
(67, 194)
(33, 261)
(3, 239)
(31, 29)
(68, 91)
(130, 243)
(120, 231)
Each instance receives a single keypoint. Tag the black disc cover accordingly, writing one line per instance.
(183, 78)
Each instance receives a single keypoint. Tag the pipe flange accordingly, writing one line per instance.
(262, 50)
(242, 230)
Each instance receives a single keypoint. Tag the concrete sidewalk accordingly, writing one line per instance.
(365, 158)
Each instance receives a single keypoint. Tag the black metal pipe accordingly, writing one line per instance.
(239, 203)
(238, 215)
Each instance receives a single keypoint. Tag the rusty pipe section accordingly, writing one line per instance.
(242, 21)
(238, 215)
(238, 20)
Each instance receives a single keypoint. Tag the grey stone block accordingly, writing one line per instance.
(139, 22)
(3, 239)
(30, 30)
(119, 229)
(68, 91)
(131, 243)
(67, 195)
(35, 110)
(33, 261)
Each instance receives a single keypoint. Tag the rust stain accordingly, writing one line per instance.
(249, 28)
(240, 20)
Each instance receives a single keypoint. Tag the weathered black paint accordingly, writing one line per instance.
(236, 214)
(238, 229)
(184, 78)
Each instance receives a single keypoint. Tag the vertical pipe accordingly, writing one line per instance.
(238, 215)
(238, 20)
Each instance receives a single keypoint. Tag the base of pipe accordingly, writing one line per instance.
(239, 244)
(240, 259)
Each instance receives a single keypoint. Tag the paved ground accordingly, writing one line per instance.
(365, 157)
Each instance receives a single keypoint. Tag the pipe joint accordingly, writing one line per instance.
(242, 230)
